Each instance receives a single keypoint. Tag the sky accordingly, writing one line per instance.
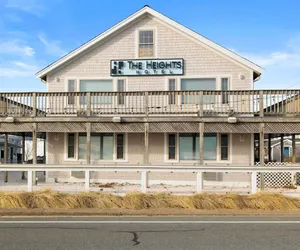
(34, 33)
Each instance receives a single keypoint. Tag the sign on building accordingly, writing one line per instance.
(147, 67)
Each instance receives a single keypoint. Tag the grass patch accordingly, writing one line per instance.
(137, 201)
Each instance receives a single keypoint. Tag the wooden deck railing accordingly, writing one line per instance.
(151, 103)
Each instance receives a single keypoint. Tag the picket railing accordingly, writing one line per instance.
(151, 103)
(144, 170)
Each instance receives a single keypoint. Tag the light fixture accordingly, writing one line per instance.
(117, 119)
(232, 120)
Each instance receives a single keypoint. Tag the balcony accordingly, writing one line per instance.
(249, 103)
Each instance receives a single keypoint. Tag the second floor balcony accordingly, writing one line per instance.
(250, 103)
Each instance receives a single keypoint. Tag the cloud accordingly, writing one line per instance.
(52, 47)
(15, 47)
(282, 66)
(17, 69)
(34, 7)
(288, 57)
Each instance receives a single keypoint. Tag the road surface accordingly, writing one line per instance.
(156, 233)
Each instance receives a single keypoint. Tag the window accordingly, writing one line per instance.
(172, 146)
(96, 86)
(146, 43)
(71, 145)
(210, 147)
(172, 87)
(101, 146)
(71, 88)
(189, 147)
(224, 147)
(120, 146)
(82, 146)
(198, 84)
(2, 153)
(121, 88)
(224, 87)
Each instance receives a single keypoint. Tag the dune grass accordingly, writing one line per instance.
(48, 199)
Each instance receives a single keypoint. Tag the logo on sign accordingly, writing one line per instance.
(147, 67)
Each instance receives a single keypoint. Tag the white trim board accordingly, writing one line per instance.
(146, 10)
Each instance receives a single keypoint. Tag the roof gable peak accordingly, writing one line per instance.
(148, 10)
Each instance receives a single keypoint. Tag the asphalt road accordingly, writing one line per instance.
(157, 233)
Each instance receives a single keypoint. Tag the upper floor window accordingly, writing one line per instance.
(146, 43)
(101, 85)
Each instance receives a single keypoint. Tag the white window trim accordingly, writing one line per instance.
(66, 158)
(218, 160)
(218, 78)
(77, 82)
(137, 42)
(82, 161)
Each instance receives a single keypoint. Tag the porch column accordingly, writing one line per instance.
(262, 144)
(294, 148)
(88, 143)
(23, 155)
(281, 148)
(262, 153)
(34, 151)
(201, 143)
(146, 141)
(269, 148)
(88, 155)
(5, 155)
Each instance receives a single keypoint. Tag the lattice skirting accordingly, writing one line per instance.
(118, 127)
(157, 127)
(231, 128)
(16, 127)
(292, 128)
(276, 180)
(61, 127)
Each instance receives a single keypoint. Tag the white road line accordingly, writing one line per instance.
(150, 222)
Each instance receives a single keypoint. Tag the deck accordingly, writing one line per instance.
(249, 103)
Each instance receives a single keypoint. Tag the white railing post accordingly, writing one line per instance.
(144, 181)
(87, 180)
(253, 182)
(199, 182)
(29, 181)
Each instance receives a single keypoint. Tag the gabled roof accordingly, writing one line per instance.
(147, 10)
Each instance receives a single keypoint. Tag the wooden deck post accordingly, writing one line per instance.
(201, 104)
(281, 148)
(262, 153)
(23, 155)
(34, 151)
(146, 100)
(269, 147)
(88, 155)
(146, 140)
(201, 143)
(5, 155)
(88, 104)
(261, 103)
(34, 104)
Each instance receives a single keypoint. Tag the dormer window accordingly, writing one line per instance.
(146, 43)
